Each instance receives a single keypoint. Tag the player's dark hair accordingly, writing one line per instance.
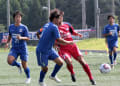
(55, 13)
(109, 16)
(17, 13)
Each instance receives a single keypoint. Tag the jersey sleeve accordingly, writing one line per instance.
(26, 32)
(40, 30)
(71, 29)
(56, 32)
(105, 31)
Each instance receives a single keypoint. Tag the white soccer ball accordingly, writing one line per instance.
(105, 68)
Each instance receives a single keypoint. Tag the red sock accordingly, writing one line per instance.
(87, 70)
(70, 68)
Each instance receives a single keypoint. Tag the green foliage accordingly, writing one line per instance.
(2, 28)
(35, 16)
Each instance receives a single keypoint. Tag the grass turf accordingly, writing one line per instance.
(9, 76)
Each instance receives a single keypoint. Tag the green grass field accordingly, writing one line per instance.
(9, 76)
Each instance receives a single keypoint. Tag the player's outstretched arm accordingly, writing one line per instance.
(119, 33)
(22, 38)
(107, 34)
(64, 42)
(77, 34)
(8, 40)
(38, 35)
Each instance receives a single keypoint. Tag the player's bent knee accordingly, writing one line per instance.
(10, 60)
(60, 63)
(44, 69)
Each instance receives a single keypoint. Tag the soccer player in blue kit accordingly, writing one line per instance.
(45, 51)
(111, 33)
(19, 35)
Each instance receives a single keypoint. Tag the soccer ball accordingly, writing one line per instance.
(105, 68)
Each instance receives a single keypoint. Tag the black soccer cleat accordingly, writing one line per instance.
(73, 78)
(93, 82)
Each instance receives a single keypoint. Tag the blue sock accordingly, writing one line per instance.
(27, 72)
(111, 59)
(115, 55)
(42, 75)
(56, 69)
(14, 63)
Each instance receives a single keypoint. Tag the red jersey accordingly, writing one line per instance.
(66, 30)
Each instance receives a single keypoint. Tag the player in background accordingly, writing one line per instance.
(66, 51)
(45, 51)
(111, 32)
(19, 35)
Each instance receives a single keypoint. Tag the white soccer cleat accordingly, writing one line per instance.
(55, 79)
(28, 80)
(42, 84)
(115, 62)
(112, 66)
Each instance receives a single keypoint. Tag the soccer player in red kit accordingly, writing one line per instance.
(66, 51)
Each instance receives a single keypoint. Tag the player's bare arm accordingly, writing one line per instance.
(119, 33)
(38, 35)
(77, 34)
(64, 42)
(105, 35)
(22, 38)
(8, 40)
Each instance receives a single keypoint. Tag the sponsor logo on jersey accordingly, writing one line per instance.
(20, 30)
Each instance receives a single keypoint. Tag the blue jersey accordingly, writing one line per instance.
(48, 36)
(114, 29)
(21, 30)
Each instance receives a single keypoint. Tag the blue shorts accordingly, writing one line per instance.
(18, 52)
(43, 57)
(112, 44)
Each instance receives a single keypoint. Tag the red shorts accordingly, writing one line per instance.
(68, 51)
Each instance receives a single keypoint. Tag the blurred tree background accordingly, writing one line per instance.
(35, 14)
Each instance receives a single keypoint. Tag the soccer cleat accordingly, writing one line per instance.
(55, 79)
(73, 78)
(93, 82)
(28, 80)
(112, 66)
(115, 62)
(42, 84)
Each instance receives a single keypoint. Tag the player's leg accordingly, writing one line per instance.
(11, 59)
(24, 59)
(115, 52)
(70, 68)
(27, 71)
(67, 58)
(55, 57)
(115, 55)
(86, 68)
(42, 75)
(56, 69)
(65, 55)
(111, 57)
(79, 57)
(42, 61)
